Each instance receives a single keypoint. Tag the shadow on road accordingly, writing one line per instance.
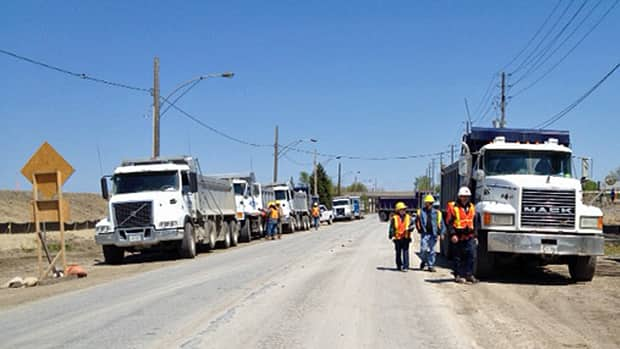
(440, 280)
(147, 257)
(387, 269)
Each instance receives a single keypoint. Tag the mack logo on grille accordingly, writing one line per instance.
(548, 210)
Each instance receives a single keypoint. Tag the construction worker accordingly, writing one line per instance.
(429, 223)
(273, 217)
(401, 226)
(316, 215)
(460, 217)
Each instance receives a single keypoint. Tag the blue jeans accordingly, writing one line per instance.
(465, 253)
(427, 249)
(317, 222)
(272, 227)
(402, 253)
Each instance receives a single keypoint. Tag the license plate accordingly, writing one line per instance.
(134, 237)
(549, 249)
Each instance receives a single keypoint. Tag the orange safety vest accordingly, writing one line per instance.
(462, 219)
(274, 214)
(401, 227)
(316, 212)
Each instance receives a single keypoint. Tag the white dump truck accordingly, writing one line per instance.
(165, 202)
(343, 208)
(294, 203)
(249, 203)
(528, 202)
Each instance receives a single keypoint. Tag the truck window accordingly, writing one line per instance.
(280, 195)
(145, 181)
(239, 189)
(340, 202)
(256, 190)
(545, 163)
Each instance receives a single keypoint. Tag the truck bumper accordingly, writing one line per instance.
(546, 244)
(138, 237)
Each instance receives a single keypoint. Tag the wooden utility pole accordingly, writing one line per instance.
(316, 187)
(275, 157)
(156, 107)
(502, 122)
(339, 177)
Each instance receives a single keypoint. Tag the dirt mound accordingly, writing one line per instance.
(15, 206)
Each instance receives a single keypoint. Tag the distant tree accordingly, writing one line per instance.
(324, 184)
(304, 178)
(422, 183)
(590, 185)
(356, 187)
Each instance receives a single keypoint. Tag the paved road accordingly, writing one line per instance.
(334, 288)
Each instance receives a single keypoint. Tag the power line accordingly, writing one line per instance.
(544, 24)
(572, 106)
(532, 54)
(543, 57)
(179, 97)
(569, 52)
(83, 76)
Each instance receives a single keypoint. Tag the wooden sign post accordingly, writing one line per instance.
(48, 171)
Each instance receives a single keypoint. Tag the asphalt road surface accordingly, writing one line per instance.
(335, 288)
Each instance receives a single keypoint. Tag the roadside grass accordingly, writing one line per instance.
(612, 248)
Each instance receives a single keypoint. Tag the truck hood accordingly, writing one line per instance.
(535, 182)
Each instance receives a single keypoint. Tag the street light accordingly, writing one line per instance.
(196, 80)
(289, 146)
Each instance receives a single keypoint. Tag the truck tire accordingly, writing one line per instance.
(582, 268)
(330, 221)
(383, 216)
(291, 225)
(246, 231)
(211, 227)
(225, 230)
(187, 247)
(307, 223)
(485, 261)
(233, 228)
(113, 255)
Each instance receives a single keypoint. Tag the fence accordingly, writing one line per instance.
(23, 228)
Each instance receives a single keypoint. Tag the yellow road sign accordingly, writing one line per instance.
(46, 160)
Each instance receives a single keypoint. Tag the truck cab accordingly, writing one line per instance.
(343, 208)
(529, 204)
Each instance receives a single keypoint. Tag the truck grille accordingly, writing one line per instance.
(340, 212)
(133, 214)
(548, 208)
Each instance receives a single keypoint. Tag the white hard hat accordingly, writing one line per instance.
(464, 191)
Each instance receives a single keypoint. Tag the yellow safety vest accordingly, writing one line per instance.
(401, 227)
(462, 219)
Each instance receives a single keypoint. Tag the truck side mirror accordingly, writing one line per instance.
(104, 188)
(193, 182)
(465, 165)
(478, 175)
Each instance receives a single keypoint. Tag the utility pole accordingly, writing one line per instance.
(432, 174)
(275, 157)
(339, 177)
(451, 153)
(156, 107)
(316, 191)
(502, 122)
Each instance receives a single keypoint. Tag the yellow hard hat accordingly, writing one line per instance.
(400, 206)
(271, 203)
(429, 198)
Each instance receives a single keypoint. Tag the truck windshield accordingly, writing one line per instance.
(545, 163)
(145, 181)
(239, 188)
(280, 194)
(341, 202)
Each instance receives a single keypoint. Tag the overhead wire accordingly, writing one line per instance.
(569, 52)
(555, 118)
(83, 76)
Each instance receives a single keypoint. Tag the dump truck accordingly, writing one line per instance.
(385, 204)
(168, 203)
(249, 203)
(528, 201)
(294, 202)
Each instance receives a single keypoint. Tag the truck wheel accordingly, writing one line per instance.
(582, 268)
(246, 231)
(330, 221)
(227, 236)
(187, 248)
(485, 260)
(234, 233)
(308, 224)
(212, 235)
(113, 254)
(383, 217)
(291, 225)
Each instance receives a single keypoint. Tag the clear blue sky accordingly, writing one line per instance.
(371, 78)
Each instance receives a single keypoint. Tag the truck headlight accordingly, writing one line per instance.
(102, 229)
(591, 223)
(499, 219)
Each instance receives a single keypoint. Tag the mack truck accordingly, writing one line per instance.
(168, 203)
(294, 203)
(529, 206)
(249, 204)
